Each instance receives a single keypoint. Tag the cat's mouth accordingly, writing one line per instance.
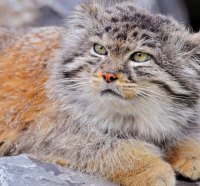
(111, 92)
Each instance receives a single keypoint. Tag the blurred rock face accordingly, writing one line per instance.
(20, 13)
(17, 13)
(24, 171)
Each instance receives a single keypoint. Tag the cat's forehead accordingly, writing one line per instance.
(127, 22)
(124, 26)
(135, 17)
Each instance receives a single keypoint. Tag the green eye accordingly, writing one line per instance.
(101, 50)
(140, 57)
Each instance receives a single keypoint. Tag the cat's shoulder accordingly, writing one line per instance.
(24, 57)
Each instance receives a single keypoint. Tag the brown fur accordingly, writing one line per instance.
(185, 159)
(24, 61)
(22, 93)
(23, 98)
(129, 163)
(146, 165)
(126, 163)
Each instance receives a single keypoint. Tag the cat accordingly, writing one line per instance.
(115, 94)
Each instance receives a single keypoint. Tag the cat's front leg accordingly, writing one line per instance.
(131, 163)
(185, 158)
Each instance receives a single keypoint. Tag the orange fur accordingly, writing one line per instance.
(23, 74)
(24, 60)
(139, 162)
(185, 159)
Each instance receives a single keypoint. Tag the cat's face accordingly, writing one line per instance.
(121, 55)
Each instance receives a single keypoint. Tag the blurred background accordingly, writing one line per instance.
(23, 13)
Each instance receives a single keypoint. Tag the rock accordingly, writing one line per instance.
(23, 13)
(16, 13)
(24, 171)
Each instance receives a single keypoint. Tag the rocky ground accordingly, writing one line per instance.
(23, 171)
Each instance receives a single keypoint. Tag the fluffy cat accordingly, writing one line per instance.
(121, 99)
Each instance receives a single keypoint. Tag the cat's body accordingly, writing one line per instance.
(122, 95)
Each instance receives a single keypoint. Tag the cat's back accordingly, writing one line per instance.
(24, 57)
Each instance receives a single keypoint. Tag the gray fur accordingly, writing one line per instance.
(86, 124)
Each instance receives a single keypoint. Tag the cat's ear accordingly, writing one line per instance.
(79, 24)
(193, 51)
(83, 15)
(194, 39)
(91, 7)
(191, 55)
(88, 8)
(192, 45)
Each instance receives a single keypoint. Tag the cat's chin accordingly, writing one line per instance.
(111, 93)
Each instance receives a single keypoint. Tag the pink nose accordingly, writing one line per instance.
(109, 77)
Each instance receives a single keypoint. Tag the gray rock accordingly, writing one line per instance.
(23, 13)
(24, 171)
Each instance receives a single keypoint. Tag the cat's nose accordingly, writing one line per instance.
(109, 77)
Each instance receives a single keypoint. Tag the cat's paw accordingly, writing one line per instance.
(185, 160)
(188, 167)
(152, 173)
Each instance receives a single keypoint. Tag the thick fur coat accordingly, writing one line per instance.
(138, 128)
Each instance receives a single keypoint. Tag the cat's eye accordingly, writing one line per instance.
(140, 57)
(99, 49)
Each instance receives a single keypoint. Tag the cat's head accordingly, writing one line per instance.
(118, 55)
